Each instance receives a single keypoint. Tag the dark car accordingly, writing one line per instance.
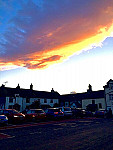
(35, 115)
(3, 120)
(100, 113)
(13, 115)
(67, 111)
(88, 114)
(78, 112)
(54, 113)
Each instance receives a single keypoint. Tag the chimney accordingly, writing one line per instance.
(31, 87)
(52, 91)
(18, 87)
(3, 86)
(90, 88)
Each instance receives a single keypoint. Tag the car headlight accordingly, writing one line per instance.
(15, 116)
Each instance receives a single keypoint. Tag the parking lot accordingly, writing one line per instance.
(86, 133)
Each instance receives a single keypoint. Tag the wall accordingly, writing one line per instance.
(109, 91)
(85, 102)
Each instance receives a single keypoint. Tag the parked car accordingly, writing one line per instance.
(88, 114)
(67, 111)
(3, 120)
(78, 112)
(100, 113)
(13, 115)
(54, 113)
(35, 115)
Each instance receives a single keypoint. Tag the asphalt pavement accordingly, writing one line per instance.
(71, 134)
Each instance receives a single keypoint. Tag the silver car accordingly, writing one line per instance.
(3, 120)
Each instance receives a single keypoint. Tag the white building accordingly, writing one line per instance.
(95, 98)
(109, 95)
(22, 98)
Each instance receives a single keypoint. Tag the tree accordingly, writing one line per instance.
(16, 106)
(92, 107)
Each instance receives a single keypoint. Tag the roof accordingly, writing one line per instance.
(81, 96)
(6, 91)
(107, 85)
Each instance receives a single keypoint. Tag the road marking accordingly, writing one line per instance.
(61, 123)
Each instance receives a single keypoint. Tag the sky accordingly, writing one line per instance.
(61, 44)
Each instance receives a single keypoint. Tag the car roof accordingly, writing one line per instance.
(35, 109)
(52, 108)
(9, 109)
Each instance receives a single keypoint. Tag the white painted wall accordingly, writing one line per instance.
(108, 91)
(22, 102)
(85, 102)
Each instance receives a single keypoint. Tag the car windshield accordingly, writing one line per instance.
(35, 111)
(54, 110)
(67, 109)
(13, 112)
(38, 111)
(1, 112)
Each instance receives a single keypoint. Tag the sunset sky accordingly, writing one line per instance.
(61, 44)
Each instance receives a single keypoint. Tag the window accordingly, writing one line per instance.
(1, 112)
(51, 101)
(111, 85)
(45, 100)
(67, 109)
(10, 99)
(66, 103)
(100, 105)
(27, 100)
(110, 96)
(10, 107)
(29, 112)
(93, 101)
(38, 100)
(16, 95)
(6, 112)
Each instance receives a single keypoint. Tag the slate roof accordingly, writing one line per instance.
(107, 85)
(81, 96)
(6, 91)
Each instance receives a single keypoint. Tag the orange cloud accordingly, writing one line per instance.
(42, 63)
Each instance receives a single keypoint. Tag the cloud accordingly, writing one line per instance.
(38, 35)
(42, 63)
